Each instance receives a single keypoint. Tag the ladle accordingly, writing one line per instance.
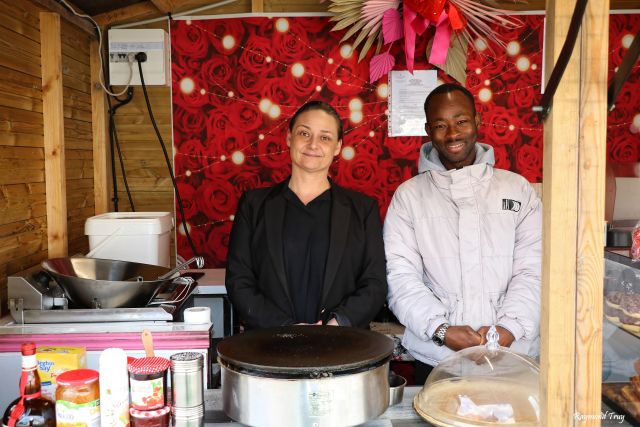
(197, 259)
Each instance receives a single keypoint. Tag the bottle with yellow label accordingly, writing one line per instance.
(78, 399)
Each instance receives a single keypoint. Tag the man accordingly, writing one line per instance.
(306, 250)
(463, 242)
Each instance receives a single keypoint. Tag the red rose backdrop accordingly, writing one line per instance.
(237, 80)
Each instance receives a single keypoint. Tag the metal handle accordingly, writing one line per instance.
(188, 281)
(197, 259)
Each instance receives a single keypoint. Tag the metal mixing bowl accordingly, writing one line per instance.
(105, 283)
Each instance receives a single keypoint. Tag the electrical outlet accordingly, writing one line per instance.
(124, 44)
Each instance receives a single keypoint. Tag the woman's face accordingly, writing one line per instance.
(313, 142)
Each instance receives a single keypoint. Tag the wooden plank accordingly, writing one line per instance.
(257, 6)
(560, 189)
(22, 139)
(53, 134)
(62, 11)
(101, 170)
(591, 195)
(135, 12)
(164, 6)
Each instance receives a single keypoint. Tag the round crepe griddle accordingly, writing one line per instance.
(305, 351)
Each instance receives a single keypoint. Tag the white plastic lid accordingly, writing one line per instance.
(129, 223)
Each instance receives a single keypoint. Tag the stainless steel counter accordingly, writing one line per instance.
(401, 415)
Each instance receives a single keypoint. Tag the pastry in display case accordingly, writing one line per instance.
(484, 385)
(621, 335)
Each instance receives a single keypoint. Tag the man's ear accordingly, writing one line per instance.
(426, 128)
(478, 119)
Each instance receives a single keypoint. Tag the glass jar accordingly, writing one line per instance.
(157, 418)
(148, 383)
(78, 398)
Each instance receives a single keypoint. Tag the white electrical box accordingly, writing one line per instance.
(124, 44)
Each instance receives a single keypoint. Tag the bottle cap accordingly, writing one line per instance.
(28, 348)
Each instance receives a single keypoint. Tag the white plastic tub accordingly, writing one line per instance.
(130, 236)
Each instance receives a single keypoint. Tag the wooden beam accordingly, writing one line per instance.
(592, 160)
(164, 6)
(62, 10)
(53, 119)
(257, 6)
(135, 12)
(100, 135)
(560, 222)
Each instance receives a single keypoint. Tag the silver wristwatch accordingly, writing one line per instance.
(438, 336)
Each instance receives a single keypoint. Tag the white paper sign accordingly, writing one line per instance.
(407, 94)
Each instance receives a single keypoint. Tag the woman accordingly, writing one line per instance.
(306, 250)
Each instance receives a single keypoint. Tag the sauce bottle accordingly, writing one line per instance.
(31, 408)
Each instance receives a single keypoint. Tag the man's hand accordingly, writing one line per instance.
(506, 337)
(461, 337)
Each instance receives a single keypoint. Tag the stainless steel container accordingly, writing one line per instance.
(188, 417)
(187, 386)
(319, 376)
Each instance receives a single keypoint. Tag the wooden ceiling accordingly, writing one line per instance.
(112, 12)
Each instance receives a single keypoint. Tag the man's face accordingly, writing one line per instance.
(453, 127)
(313, 142)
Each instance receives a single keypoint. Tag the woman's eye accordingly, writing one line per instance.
(463, 122)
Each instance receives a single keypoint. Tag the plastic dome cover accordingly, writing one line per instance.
(484, 385)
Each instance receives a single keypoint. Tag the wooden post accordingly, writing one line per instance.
(573, 235)
(100, 135)
(257, 6)
(591, 201)
(560, 223)
(52, 112)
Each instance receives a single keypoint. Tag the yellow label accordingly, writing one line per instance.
(52, 361)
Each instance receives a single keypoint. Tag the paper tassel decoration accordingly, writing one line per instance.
(457, 23)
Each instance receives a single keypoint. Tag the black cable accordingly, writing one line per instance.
(115, 142)
(140, 58)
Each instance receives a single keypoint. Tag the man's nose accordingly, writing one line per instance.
(452, 132)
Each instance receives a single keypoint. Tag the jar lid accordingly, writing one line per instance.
(77, 377)
(149, 365)
(149, 414)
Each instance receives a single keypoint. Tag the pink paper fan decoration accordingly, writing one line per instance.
(372, 11)
(380, 65)
(392, 28)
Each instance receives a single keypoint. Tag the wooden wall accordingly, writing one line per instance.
(23, 238)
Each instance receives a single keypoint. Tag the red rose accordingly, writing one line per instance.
(218, 169)
(305, 85)
(189, 40)
(360, 173)
(273, 152)
(244, 117)
(281, 173)
(279, 94)
(226, 143)
(217, 199)
(499, 127)
(623, 146)
(502, 157)
(218, 29)
(292, 44)
(404, 148)
(193, 99)
(345, 76)
(247, 179)
(189, 122)
(256, 55)
(217, 70)
(395, 174)
(218, 244)
(624, 106)
(188, 196)
(529, 163)
(361, 139)
(249, 85)
(528, 122)
(192, 154)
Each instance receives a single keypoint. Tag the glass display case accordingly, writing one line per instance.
(485, 385)
(621, 335)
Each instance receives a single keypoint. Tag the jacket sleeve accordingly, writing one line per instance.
(241, 280)
(411, 300)
(360, 307)
(520, 310)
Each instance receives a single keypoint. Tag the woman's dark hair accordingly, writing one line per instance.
(448, 88)
(317, 105)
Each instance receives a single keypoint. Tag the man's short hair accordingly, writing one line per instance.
(448, 88)
(318, 105)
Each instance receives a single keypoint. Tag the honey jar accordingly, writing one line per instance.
(78, 398)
